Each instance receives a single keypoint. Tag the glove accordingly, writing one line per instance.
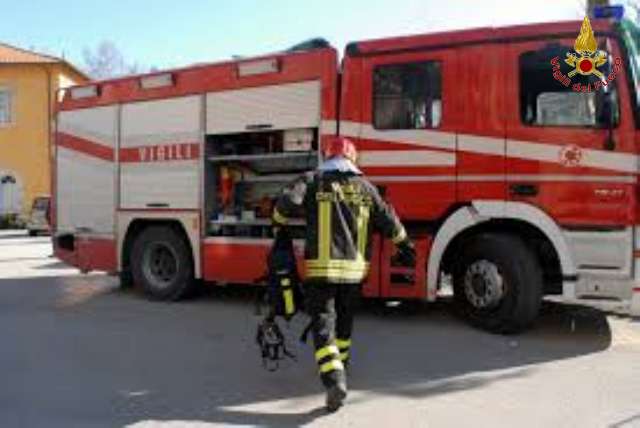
(406, 254)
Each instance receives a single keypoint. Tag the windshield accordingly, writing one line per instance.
(631, 37)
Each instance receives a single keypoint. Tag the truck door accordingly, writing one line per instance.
(407, 136)
(159, 154)
(85, 185)
(481, 139)
(563, 155)
(570, 148)
(406, 140)
(85, 171)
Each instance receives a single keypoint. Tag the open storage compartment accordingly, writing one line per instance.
(245, 172)
(258, 139)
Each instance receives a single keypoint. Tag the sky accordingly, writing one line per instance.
(170, 33)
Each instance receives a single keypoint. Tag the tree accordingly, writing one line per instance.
(634, 7)
(107, 61)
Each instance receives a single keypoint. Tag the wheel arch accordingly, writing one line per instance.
(131, 228)
(483, 216)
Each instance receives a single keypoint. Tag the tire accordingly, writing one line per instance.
(126, 279)
(498, 283)
(161, 264)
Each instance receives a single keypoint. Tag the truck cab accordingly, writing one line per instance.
(490, 140)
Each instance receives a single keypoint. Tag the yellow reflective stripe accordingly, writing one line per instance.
(344, 356)
(278, 217)
(331, 366)
(289, 307)
(343, 343)
(338, 269)
(337, 190)
(336, 274)
(326, 351)
(337, 264)
(361, 271)
(400, 236)
(363, 229)
(324, 230)
(333, 271)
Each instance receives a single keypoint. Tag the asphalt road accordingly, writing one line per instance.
(75, 351)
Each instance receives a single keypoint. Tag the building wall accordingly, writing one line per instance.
(24, 144)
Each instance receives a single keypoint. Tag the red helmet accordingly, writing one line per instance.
(341, 146)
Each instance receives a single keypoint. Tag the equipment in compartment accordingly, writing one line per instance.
(245, 174)
(226, 187)
(298, 140)
(252, 143)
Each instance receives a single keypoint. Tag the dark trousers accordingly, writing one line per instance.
(331, 307)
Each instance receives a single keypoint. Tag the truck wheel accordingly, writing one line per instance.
(161, 264)
(498, 283)
(126, 279)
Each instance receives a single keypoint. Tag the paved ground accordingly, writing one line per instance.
(77, 352)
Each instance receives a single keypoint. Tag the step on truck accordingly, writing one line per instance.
(511, 154)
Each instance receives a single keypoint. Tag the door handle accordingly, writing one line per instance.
(524, 189)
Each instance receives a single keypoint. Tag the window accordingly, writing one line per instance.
(6, 116)
(545, 101)
(407, 96)
(631, 38)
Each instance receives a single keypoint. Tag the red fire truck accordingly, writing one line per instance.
(514, 179)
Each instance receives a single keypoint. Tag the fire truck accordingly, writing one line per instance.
(515, 173)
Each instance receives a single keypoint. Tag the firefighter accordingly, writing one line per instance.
(341, 209)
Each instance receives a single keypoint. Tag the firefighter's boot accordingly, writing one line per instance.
(336, 395)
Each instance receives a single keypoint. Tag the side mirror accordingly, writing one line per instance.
(606, 109)
(608, 116)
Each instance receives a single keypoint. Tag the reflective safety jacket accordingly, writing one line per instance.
(341, 210)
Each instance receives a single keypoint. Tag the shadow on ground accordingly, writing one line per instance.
(52, 265)
(12, 234)
(83, 351)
